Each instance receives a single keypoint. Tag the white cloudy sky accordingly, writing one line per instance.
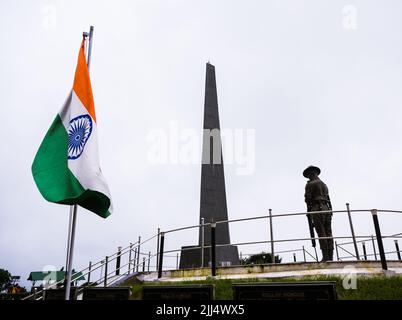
(315, 91)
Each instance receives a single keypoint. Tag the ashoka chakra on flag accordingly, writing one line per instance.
(79, 131)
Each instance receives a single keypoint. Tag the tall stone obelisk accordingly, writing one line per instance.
(213, 207)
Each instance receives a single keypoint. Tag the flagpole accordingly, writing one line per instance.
(70, 220)
(91, 34)
(71, 251)
(73, 209)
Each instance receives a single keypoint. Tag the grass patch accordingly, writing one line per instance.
(368, 288)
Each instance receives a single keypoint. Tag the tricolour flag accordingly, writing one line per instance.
(66, 167)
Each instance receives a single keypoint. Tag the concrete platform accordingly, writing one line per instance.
(280, 270)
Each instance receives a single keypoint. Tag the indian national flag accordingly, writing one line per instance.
(66, 168)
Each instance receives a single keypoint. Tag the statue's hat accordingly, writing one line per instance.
(309, 169)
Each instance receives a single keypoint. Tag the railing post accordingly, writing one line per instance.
(160, 261)
(364, 250)
(143, 264)
(135, 259)
(34, 294)
(118, 259)
(272, 236)
(304, 254)
(353, 232)
(139, 252)
(241, 258)
(177, 261)
(89, 272)
(202, 242)
(316, 255)
(105, 279)
(398, 252)
(294, 257)
(337, 253)
(375, 252)
(129, 258)
(213, 253)
(149, 259)
(379, 239)
(101, 269)
(157, 248)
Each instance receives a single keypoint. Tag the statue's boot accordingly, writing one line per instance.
(330, 255)
(324, 255)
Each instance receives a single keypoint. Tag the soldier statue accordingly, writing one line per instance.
(317, 199)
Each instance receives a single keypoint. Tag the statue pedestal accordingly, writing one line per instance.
(225, 256)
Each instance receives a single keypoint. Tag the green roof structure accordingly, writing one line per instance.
(54, 275)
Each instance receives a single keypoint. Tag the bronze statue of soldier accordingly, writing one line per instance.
(317, 199)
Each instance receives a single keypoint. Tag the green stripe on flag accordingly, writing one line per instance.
(54, 179)
(96, 202)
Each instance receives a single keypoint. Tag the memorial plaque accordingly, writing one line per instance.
(108, 293)
(317, 290)
(192, 292)
(60, 294)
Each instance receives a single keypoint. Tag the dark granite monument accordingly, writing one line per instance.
(312, 290)
(213, 206)
(187, 292)
(108, 293)
(60, 294)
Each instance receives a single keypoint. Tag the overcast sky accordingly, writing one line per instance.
(319, 82)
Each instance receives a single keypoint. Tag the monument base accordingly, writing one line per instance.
(225, 256)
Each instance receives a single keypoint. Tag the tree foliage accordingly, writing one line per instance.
(5, 279)
(261, 258)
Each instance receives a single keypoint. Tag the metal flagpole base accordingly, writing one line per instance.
(70, 254)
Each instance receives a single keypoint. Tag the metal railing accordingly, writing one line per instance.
(355, 238)
(135, 265)
(373, 240)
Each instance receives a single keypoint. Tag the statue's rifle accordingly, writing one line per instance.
(329, 203)
(311, 227)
